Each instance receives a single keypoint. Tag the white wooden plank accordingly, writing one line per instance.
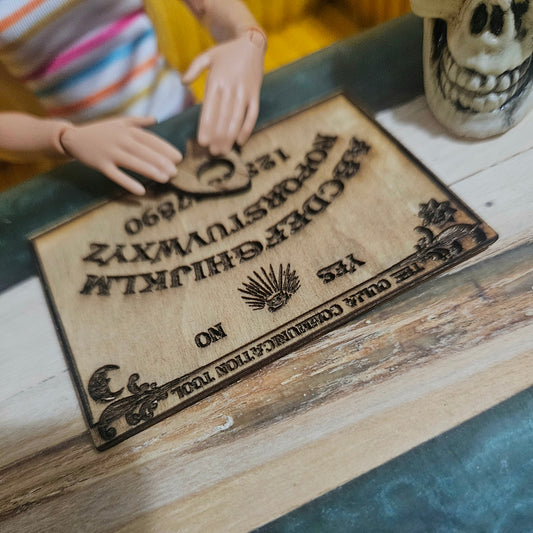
(171, 471)
(39, 417)
(38, 405)
(503, 196)
(30, 352)
(452, 158)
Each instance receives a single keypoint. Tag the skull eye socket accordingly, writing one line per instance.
(519, 10)
(440, 38)
(496, 20)
(479, 20)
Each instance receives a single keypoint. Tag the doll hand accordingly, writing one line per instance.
(231, 102)
(109, 144)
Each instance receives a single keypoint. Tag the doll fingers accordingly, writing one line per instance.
(158, 145)
(201, 63)
(209, 114)
(153, 157)
(122, 179)
(146, 168)
(230, 123)
(221, 122)
(249, 122)
(141, 122)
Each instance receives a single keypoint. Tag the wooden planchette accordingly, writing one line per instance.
(201, 174)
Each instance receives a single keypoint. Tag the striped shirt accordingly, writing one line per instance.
(87, 59)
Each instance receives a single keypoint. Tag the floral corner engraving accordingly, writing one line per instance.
(137, 408)
(270, 290)
(446, 244)
(437, 213)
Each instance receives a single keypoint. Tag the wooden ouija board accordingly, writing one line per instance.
(160, 301)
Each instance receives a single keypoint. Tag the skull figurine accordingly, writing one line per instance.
(478, 63)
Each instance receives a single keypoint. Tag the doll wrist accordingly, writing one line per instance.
(58, 138)
(257, 37)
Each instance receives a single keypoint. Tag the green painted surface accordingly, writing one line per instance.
(381, 68)
(476, 478)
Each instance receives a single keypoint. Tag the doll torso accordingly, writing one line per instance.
(88, 59)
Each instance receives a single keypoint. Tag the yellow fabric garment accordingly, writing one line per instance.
(308, 24)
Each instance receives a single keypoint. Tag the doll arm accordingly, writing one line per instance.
(226, 19)
(29, 135)
(104, 145)
(231, 102)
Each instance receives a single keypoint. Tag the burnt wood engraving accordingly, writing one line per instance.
(161, 301)
(266, 289)
(273, 291)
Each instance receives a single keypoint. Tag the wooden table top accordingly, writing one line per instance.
(336, 409)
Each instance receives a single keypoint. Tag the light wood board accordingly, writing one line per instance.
(163, 300)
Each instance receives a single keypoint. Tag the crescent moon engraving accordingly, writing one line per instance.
(98, 386)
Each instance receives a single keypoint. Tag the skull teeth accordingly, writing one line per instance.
(478, 92)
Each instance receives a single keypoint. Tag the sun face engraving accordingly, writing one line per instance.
(269, 290)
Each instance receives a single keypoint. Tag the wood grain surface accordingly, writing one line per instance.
(157, 312)
(322, 415)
